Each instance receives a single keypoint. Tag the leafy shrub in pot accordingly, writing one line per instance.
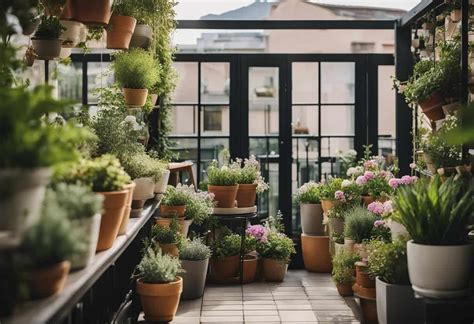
(223, 183)
(194, 256)
(173, 202)
(167, 237)
(343, 269)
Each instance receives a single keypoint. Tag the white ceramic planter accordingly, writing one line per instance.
(396, 229)
(440, 271)
(72, 35)
(194, 279)
(349, 244)
(339, 248)
(312, 219)
(160, 186)
(397, 304)
(144, 189)
(141, 36)
(90, 228)
(21, 195)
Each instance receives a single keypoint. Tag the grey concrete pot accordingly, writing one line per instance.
(90, 228)
(312, 219)
(194, 279)
(397, 304)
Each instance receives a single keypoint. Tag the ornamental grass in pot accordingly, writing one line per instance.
(159, 285)
(46, 41)
(167, 238)
(194, 256)
(309, 198)
(250, 181)
(343, 269)
(436, 215)
(222, 182)
(121, 25)
(135, 71)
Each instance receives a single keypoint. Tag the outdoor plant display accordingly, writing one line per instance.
(436, 215)
(223, 183)
(309, 198)
(173, 202)
(167, 238)
(194, 256)
(343, 271)
(250, 181)
(159, 285)
(121, 25)
(46, 41)
(374, 186)
(135, 71)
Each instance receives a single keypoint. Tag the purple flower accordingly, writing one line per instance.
(394, 182)
(339, 195)
(368, 175)
(257, 231)
(361, 180)
(387, 207)
(376, 208)
(379, 223)
(406, 180)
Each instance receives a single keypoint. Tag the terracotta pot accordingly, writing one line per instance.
(194, 278)
(327, 205)
(274, 270)
(225, 267)
(91, 12)
(250, 268)
(345, 289)
(169, 248)
(368, 307)
(336, 226)
(128, 208)
(154, 99)
(47, 49)
(135, 97)
(48, 281)
(316, 255)
(66, 14)
(141, 37)
(364, 292)
(246, 195)
(120, 31)
(312, 219)
(172, 211)
(160, 301)
(90, 228)
(362, 277)
(183, 224)
(433, 106)
(114, 207)
(224, 195)
(367, 200)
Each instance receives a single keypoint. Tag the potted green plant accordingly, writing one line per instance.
(83, 208)
(328, 193)
(135, 71)
(30, 146)
(359, 225)
(374, 186)
(343, 271)
(222, 182)
(250, 181)
(225, 257)
(46, 41)
(199, 209)
(436, 215)
(396, 300)
(90, 12)
(311, 212)
(159, 285)
(121, 25)
(173, 202)
(167, 237)
(194, 256)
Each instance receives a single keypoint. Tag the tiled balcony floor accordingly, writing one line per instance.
(302, 298)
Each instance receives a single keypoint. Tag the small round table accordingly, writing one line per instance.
(243, 219)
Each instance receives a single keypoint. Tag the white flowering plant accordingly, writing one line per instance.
(309, 193)
(249, 173)
(222, 176)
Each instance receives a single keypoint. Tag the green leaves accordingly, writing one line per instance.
(136, 69)
(223, 176)
(277, 246)
(50, 28)
(195, 250)
(359, 224)
(157, 268)
(389, 261)
(343, 266)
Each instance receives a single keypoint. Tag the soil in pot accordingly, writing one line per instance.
(114, 206)
(91, 12)
(128, 208)
(194, 278)
(246, 195)
(47, 49)
(274, 270)
(345, 289)
(250, 268)
(169, 248)
(225, 267)
(135, 97)
(172, 211)
(433, 106)
(160, 301)
(120, 31)
(224, 195)
(48, 281)
(90, 227)
(316, 254)
(312, 219)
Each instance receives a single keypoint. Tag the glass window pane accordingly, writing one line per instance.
(386, 111)
(184, 120)
(337, 82)
(305, 120)
(337, 120)
(263, 100)
(210, 148)
(305, 82)
(186, 148)
(215, 82)
(97, 77)
(330, 145)
(70, 81)
(187, 85)
(215, 120)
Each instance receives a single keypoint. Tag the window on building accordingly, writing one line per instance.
(212, 119)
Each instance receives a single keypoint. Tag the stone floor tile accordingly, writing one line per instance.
(259, 302)
(186, 320)
(293, 302)
(221, 302)
(297, 316)
(260, 307)
(218, 297)
(294, 307)
(223, 319)
(206, 313)
(222, 307)
(261, 319)
(249, 312)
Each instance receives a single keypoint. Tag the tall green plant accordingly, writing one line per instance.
(389, 261)
(136, 69)
(359, 224)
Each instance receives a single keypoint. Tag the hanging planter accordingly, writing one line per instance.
(46, 41)
(432, 106)
(90, 12)
(119, 32)
(141, 37)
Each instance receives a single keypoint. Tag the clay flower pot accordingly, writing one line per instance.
(183, 224)
(225, 267)
(172, 211)
(250, 268)
(224, 195)
(367, 200)
(433, 106)
(327, 205)
(141, 37)
(47, 49)
(135, 97)
(362, 277)
(246, 195)
(274, 270)
(128, 208)
(90, 227)
(72, 35)
(169, 248)
(114, 206)
(91, 12)
(312, 219)
(194, 278)
(316, 255)
(345, 289)
(368, 307)
(120, 31)
(48, 281)
(160, 301)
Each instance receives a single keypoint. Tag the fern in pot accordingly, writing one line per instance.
(159, 285)
(194, 256)
(436, 215)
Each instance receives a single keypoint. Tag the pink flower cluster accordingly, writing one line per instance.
(259, 232)
(339, 195)
(370, 164)
(379, 223)
(405, 180)
(380, 208)
(363, 179)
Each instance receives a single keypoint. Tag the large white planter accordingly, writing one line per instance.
(72, 35)
(160, 186)
(312, 219)
(21, 195)
(144, 189)
(89, 227)
(194, 278)
(397, 304)
(141, 36)
(440, 271)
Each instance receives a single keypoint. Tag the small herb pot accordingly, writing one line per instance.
(224, 195)
(160, 301)
(48, 281)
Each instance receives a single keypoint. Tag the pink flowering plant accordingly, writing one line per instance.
(406, 180)
(375, 184)
(309, 193)
(343, 191)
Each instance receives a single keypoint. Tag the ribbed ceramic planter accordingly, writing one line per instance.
(194, 278)
(90, 228)
(160, 301)
(224, 195)
(316, 255)
(48, 281)
(312, 219)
